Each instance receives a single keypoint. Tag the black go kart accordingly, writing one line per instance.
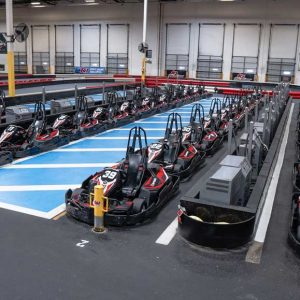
(122, 113)
(81, 124)
(294, 229)
(37, 138)
(194, 132)
(177, 158)
(213, 136)
(136, 190)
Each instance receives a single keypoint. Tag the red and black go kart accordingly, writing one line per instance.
(37, 138)
(81, 124)
(136, 189)
(177, 158)
(194, 132)
(213, 136)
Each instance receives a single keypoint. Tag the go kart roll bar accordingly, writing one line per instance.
(174, 119)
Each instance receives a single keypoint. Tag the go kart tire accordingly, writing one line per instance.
(298, 233)
(177, 168)
(139, 205)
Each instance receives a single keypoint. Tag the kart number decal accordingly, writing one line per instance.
(109, 175)
(156, 146)
(187, 129)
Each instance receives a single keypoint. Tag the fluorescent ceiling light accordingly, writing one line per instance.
(181, 68)
(121, 66)
(89, 1)
(215, 69)
(35, 3)
(286, 73)
(45, 63)
(250, 71)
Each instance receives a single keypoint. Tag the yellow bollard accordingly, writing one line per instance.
(100, 205)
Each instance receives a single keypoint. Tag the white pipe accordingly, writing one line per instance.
(145, 20)
(9, 23)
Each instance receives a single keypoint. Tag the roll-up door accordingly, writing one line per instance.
(210, 51)
(64, 49)
(40, 39)
(90, 38)
(177, 48)
(282, 52)
(117, 48)
(245, 51)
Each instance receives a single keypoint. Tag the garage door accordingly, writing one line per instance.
(177, 48)
(210, 50)
(40, 48)
(245, 54)
(90, 38)
(282, 52)
(64, 49)
(117, 48)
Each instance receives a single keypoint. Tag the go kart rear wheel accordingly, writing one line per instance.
(139, 205)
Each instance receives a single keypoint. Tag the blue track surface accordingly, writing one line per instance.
(37, 185)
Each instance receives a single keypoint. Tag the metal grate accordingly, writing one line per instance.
(244, 64)
(280, 68)
(89, 59)
(210, 67)
(179, 62)
(40, 62)
(64, 62)
(117, 63)
(20, 62)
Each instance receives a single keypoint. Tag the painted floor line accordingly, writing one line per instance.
(166, 237)
(25, 210)
(159, 122)
(55, 166)
(38, 187)
(254, 253)
(120, 138)
(127, 129)
(89, 149)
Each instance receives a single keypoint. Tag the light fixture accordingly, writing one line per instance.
(94, 65)
(286, 73)
(121, 65)
(181, 68)
(89, 1)
(250, 71)
(226, 0)
(35, 3)
(45, 63)
(215, 69)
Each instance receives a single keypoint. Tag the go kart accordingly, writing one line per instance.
(37, 138)
(193, 133)
(177, 158)
(81, 124)
(294, 230)
(213, 136)
(136, 189)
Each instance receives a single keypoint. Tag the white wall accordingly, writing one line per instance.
(262, 12)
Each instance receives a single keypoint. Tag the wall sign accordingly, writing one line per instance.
(90, 70)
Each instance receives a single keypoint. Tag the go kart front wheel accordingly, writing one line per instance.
(139, 205)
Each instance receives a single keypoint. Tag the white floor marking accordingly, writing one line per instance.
(55, 166)
(127, 129)
(89, 149)
(158, 122)
(166, 237)
(265, 216)
(120, 138)
(38, 187)
(37, 213)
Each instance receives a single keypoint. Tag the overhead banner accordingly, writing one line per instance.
(3, 44)
(90, 70)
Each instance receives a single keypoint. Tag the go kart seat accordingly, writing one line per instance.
(135, 173)
(171, 151)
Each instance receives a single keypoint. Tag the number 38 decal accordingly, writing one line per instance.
(109, 174)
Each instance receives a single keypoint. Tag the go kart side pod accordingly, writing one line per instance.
(294, 230)
(6, 157)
